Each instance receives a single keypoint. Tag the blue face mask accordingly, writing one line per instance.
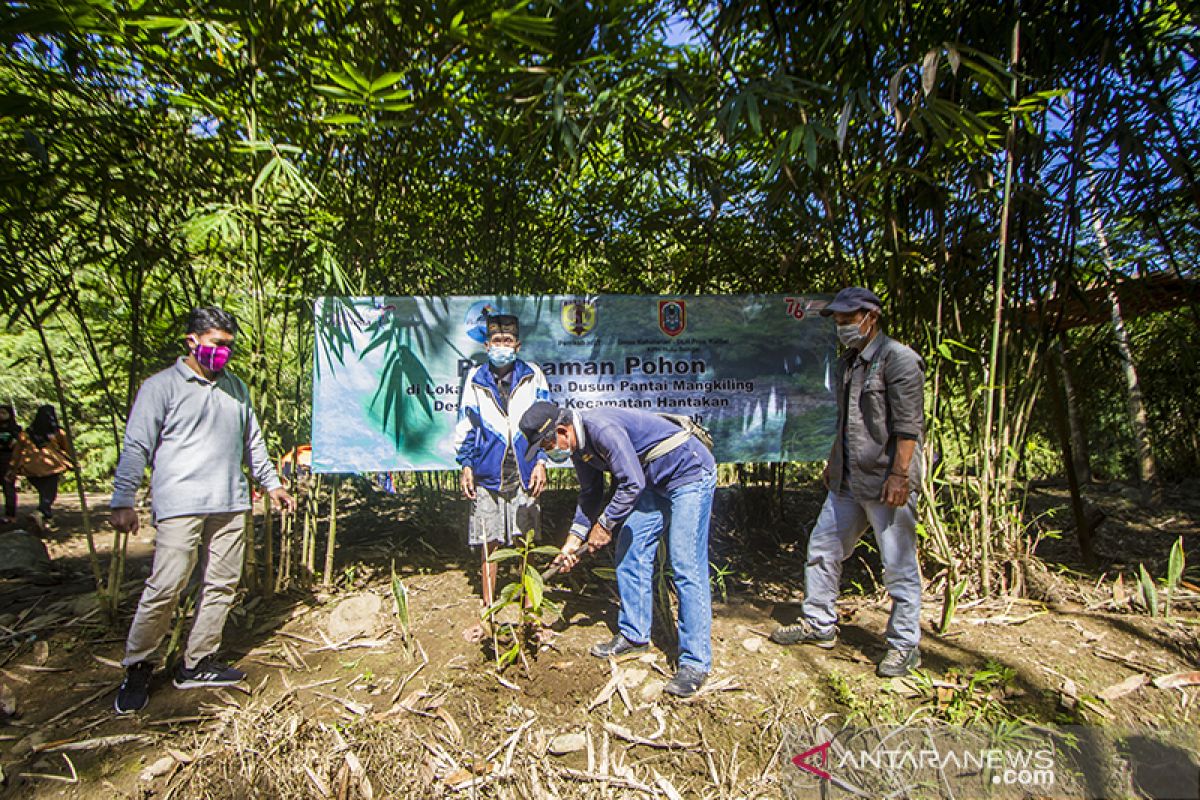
(558, 455)
(501, 356)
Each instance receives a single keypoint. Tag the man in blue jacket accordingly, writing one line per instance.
(664, 476)
(501, 484)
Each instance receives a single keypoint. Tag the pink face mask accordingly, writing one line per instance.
(212, 357)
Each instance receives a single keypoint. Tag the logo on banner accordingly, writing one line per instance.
(672, 316)
(578, 316)
(476, 319)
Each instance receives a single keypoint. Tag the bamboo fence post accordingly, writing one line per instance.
(332, 544)
(249, 557)
(268, 585)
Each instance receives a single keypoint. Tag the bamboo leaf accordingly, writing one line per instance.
(335, 92)
(929, 72)
(1175, 564)
(355, 75)
(753, 115)
(400, 595)
(810, 147)
(894, 95)
(1149, 592)
(385, 81)
(843, 125)
(953, 57)
(269, 169)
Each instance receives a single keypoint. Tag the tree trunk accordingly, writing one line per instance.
(1077, 437)
(1060, 399)
(1147, 469)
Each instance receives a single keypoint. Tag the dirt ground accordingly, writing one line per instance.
(379, 715)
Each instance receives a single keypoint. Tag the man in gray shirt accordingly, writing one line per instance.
(873, 476)
(193, 424)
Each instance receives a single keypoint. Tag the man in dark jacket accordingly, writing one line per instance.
(662, 472)
(873, 476)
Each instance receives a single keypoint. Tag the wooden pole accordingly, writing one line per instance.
(268, 585)
(333, 510)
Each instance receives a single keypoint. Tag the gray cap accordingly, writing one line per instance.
(851, 299)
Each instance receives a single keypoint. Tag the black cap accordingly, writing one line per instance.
(536, 424)
(851, 299)
(503, 323)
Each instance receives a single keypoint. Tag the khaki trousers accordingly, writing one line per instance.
(218, 540)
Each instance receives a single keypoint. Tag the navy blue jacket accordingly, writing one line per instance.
(613, 440)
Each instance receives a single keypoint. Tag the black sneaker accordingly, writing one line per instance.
(687, 682)
(898, 663)
(619, 648)
(209, 672)
(803, 632)
(135, 689)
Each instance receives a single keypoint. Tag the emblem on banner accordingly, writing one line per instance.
(672, 316)
(476, 319)
(578, 316)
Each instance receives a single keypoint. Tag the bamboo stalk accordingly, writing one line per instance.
(995, 384)
(282, 569)
(332, 544)
(1147, 468)
(268, 585)
(249, 556)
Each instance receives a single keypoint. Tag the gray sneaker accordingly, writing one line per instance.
(803, 632)
(898, 663)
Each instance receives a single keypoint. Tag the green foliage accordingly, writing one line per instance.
(153, 159)
(720, 572)
(1149, 591)
(1175, 566)
(953, 593)
(523, 598)
(967, 699)
(865, 704)
(400, 598)
(1166, 350)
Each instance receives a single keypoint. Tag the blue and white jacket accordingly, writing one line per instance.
(485, 432)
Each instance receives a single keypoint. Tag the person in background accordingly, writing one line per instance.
(501, 484)
(194, 425)
(873, 476)
(665, 480)
(42, 456)
(9, 433)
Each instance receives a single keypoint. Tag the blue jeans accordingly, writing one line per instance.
(684, 512)
(842, 522)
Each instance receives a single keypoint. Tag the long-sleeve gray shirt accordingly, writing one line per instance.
(195, 435)
(881, 399)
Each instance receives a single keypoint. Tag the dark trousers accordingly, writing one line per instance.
(47, 489)
(10, 487)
